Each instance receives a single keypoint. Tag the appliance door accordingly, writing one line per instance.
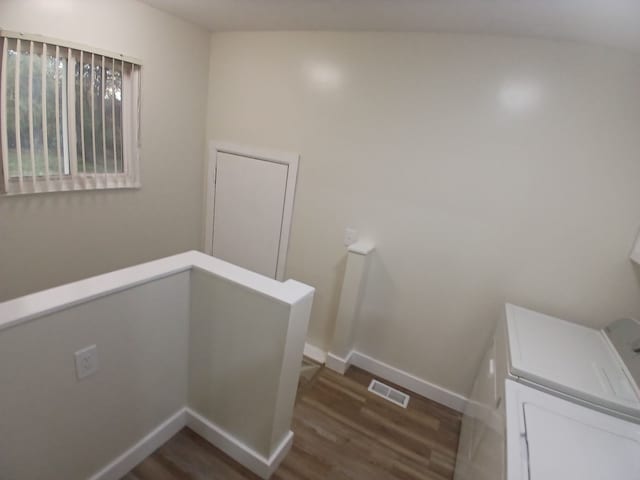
(549, 438)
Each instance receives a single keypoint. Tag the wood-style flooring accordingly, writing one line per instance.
(342, 432)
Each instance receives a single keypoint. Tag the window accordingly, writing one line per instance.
(69, 117)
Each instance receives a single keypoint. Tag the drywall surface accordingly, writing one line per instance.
(299, 315)
(235, 335)
(53, 239)
(54, 426)
(237, 345)
(485, 169)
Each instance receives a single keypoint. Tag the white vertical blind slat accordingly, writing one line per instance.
(123, 123)
(113, 114)
(136, 72)
(132, 123)
(64, 102)
(93, 118)
(56, 83)
(104, 125)
(72, 154)
(32, 148)
(17, 116)
(3, 114)
(84, 161)
(45, 139)
(127, 126)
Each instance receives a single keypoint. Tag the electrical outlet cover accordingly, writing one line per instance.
(350, 236)
(86, 362)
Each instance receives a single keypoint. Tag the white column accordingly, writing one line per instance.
(339, 355)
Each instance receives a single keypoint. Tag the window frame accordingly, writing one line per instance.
(72, 179)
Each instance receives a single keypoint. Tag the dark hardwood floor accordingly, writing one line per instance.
(342, 432)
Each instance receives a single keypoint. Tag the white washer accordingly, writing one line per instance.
(592, 367)
(549, 438)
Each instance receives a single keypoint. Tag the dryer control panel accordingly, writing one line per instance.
(624, 336)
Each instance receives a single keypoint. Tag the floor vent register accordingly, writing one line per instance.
(391, 394)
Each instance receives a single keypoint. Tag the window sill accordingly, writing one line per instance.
(76, 184)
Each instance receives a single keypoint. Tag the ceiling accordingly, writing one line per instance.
(609, 22)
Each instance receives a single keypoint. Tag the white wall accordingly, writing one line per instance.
(485, 168)
(51, 239)
(237, 340)
(244, 359)
(54, 426)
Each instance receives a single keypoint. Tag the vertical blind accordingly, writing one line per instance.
(69, 116)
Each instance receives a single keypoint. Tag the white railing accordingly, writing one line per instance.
(184, 340)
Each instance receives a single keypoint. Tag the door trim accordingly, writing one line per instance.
(289, 159)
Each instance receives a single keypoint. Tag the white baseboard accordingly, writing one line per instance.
(315, 353)
(126, 462)
(411, 382)
(387, 372)
(258, 464)
(246, 456)
(338, 364)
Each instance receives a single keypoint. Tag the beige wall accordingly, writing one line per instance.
(56, 427)
(51, 239)
(244, 346)
(485, 168)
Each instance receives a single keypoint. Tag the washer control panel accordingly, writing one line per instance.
(624, 335)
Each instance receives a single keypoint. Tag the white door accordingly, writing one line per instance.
(248, 211)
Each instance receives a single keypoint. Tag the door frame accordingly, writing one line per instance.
(289, 159)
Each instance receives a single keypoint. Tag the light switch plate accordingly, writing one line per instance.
(350, 236)
(86, 361)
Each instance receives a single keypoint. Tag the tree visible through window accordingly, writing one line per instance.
(69, 117)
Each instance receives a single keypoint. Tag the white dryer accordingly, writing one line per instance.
(550, 438)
